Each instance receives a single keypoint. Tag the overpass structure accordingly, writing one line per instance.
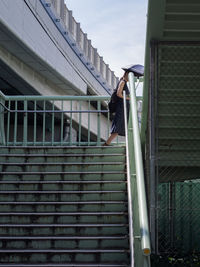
(45, 51)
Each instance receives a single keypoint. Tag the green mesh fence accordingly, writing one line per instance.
(177, 154)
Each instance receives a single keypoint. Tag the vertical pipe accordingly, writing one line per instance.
(108, 125)
(142, 203)
(44, 123)
(8, 124)
(15, 123)
(171, 213)
(80, 123)
(62, 124)
(35, 124)
(130, 208)
(98, 123)
(89, 123)
(2, 130)
(52, 124)
(25, 126)
(70, 130)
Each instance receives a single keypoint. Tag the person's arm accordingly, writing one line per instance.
(120, 89)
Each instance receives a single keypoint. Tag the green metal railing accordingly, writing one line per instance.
(136, 183)
(53, 120)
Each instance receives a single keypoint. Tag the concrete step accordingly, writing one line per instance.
(63, 150)
(62, 185)
(56, 229)
(61, 158)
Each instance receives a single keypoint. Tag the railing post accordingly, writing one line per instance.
(98, 123)
(2, 130)
(25, 126)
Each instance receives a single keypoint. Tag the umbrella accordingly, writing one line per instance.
(137, 69)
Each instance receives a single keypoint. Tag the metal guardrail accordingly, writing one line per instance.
(54, 120)
(142, 248)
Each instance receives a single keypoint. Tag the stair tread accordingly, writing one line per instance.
(64, 213)
(65, 225)
(64, 250)
(59, 192)
(61, 155)
(61, 163)
(75, 172)
(62, 182)
(64, 237)
(64, 265)
(62, 202)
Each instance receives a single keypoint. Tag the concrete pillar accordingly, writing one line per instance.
(70, 22)
(95, 54)
(112, 79)
(85, 44)
(89, 55)
(78, 34)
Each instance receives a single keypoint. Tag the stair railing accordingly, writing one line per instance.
(53, 120)
(138, 219)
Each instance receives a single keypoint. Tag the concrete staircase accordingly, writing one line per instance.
(63, 206)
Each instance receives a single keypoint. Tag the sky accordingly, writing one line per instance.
(117, 28)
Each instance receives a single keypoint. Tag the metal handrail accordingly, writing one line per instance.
(52, 111)
(142, 203)
(130, 208)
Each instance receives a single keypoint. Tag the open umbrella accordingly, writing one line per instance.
(137, 69)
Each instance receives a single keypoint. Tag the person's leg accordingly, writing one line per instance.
(112, 136)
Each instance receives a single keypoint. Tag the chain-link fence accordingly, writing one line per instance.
(174, 154)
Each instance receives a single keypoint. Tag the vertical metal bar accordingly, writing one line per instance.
(70, 129)
(44, 123)
(8, 125)
(15, 123)
(25, 124)
(80, 123)
(62, 124)
(108, 125)
(89, 123)
(142, 203)
(98, 123)
(2, 130)
(171, 213)
(52, 124)
(130, 208)
(35, 124)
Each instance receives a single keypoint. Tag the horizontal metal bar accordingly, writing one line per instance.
(56, 98)
(53, 111)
